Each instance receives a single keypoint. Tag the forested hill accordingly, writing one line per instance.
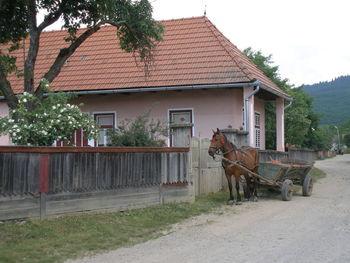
(331, 99)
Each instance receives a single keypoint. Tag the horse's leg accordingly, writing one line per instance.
(237, 177)
(247, 190)
(229, 182)
(255, 186)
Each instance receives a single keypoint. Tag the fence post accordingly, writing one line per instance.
(43, 183)
(161, 194)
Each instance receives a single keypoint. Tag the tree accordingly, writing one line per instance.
(52, 119)
(347, 140)
(135, 28)
(301, 123)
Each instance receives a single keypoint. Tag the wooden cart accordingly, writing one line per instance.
(283, 175)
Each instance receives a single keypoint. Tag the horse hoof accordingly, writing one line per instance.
(238, 203)
(230, 202)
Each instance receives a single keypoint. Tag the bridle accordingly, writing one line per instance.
(218, 149)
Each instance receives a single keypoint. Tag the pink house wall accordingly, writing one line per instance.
(211, 108)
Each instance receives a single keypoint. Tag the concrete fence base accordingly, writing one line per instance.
(46, 205)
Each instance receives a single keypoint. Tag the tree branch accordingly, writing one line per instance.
(61, 58)
(7, 91)
(50, 19)
(33, 48)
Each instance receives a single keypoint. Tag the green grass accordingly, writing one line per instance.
(317, 174)
(57, 239)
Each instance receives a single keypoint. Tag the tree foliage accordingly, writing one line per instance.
(301, 123)
(136, 29)
(347, 140)
(139, 132)
(325, 95)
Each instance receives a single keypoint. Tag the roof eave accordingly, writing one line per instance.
(163, 88)
(275, 92)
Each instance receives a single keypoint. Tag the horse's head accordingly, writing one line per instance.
(217, 143)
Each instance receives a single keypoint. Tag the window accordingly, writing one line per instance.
(181, 127)
(257, 119)
(106, 121)
(257, 129)
(257, 137)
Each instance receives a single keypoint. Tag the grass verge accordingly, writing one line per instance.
(317, 174)
(57, 239)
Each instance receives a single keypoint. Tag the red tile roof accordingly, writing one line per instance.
(193, 52)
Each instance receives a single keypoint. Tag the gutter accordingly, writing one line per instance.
(246, 108)
(166, 88)
(289, 104)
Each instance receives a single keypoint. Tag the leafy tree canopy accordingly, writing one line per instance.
(347, 140)
(301, 123)
(135, 28)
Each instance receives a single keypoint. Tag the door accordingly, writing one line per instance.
(180, 128)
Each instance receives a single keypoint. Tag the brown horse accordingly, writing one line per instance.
(245, 156)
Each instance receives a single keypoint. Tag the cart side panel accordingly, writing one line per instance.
(272, 171)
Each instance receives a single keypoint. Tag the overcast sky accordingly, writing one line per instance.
(308, 39)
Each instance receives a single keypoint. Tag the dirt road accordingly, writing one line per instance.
(306, 229)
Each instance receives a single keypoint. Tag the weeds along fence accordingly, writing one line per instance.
(41, 181)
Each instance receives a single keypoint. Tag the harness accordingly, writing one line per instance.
(217, 149)
(234, 149)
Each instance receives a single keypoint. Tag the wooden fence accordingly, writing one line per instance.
(207, 172)
(41, 181)
(46, 181)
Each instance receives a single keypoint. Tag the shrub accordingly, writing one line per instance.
(42, 122)
(140, 132)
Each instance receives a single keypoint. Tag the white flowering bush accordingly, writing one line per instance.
(48, 120)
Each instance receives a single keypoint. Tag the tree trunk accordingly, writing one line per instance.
(7, 91)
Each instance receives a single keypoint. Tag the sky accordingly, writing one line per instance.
(308, 39)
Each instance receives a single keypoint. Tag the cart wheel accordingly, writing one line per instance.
(308, 185)
(287, 190)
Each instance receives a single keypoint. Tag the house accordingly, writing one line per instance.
(197, 81)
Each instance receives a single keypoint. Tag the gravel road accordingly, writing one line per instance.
(306, 229)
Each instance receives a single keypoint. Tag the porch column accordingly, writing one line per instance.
(280, 124)
(249, 115)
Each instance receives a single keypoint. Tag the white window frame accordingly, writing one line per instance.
(95, 143)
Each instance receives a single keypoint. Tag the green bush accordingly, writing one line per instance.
(41, 122)
(139, 132)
